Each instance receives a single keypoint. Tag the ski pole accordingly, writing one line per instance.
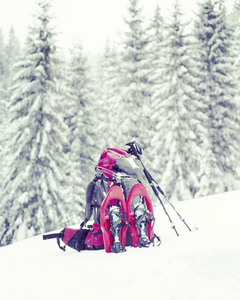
(156, 189)
(149, 178)
(173, 207)
(136, 150)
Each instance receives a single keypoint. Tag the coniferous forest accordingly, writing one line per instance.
(172, 84)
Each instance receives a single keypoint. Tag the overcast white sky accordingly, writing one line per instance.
(91, 21)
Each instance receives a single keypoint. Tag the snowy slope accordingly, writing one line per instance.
(199, 265)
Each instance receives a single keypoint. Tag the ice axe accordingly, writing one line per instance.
(136, 150)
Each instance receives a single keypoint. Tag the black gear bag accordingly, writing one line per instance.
(74, 238)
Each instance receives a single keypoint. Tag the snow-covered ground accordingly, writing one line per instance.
(198, 265)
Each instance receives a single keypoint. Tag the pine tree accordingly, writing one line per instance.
(33, 199)
(81, 122)
(133, 112)
(175, 113)
(156, 44)
(3, 129)
(156, 62)
(234, 21)
(2, 62)
(109, 82)
(217, 88)
(3, 102)
(13, 51)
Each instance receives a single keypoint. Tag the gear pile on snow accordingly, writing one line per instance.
(120, 205)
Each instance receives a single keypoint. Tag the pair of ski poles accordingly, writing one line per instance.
(156, 189)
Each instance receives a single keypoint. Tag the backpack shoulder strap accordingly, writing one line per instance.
(52, 236)
(57, 236)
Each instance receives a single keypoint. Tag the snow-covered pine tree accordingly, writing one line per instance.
(81, 122)
(217, 88)
(156, 62)
(175, 113)
(3, 94)
(109, 87)
(2, 62)
(8, 56)
(155, 46)
(33, 199)
(134, 108)
(234, 21)
(3, 129)
(13, 51)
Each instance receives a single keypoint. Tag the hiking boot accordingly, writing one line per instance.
(117, 247)
(115, 227)
(142, 218)
(143, 242)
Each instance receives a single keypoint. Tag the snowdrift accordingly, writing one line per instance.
(198, 265)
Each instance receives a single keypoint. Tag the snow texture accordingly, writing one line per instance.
(198, 265)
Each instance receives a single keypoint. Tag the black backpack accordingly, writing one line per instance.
(74, 238)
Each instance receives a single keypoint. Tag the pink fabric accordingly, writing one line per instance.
(109, 158)
(94, 239)
(68, 233)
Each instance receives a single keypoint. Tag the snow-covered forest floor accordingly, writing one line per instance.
(198, 265)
